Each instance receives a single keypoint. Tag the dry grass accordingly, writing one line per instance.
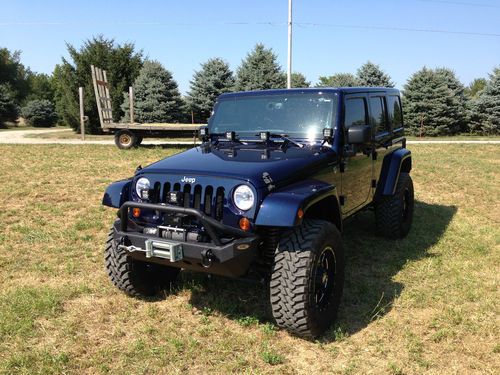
(426, 304)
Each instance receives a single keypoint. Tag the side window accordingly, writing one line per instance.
(378, 118)
(355, 112)
(395, 113)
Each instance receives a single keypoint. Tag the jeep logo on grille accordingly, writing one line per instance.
(189, 180)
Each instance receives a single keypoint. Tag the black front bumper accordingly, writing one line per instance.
(230, 252)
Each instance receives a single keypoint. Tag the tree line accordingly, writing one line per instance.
(435, 101)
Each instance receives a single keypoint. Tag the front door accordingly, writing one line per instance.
(357, 162)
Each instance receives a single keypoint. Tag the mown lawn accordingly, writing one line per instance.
(426, 304)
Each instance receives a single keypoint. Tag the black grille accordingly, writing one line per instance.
(208, 199)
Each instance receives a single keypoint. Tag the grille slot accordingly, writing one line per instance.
(155, 198)
(219, 203)
(166, 190)
(197, 197)
(187, 195)
(208, 199)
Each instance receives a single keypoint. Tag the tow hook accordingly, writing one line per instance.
(207, 258)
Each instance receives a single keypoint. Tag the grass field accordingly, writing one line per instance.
(425, 304)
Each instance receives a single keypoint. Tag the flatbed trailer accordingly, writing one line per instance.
(129, 135)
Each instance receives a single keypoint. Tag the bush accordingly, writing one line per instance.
(39, 113)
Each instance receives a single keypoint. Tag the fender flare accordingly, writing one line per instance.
(117, 193)
(280, 208)
(393, 164)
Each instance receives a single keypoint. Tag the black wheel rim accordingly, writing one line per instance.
(406, 205)
(324, 280)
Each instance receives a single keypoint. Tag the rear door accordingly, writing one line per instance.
(385, 117)
(356, 165)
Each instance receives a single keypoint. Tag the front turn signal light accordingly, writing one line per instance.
(244, 224)
(136, 212)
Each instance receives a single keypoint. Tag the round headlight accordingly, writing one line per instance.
(243, 197)
(142, 187)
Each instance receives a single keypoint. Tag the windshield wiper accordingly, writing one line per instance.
(286, 139)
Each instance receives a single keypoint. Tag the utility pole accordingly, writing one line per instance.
(82, 114)
(289, 70)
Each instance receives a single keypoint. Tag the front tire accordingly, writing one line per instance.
(133, 277)
(394, 214)
(307, 278)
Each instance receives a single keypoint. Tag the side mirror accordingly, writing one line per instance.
(203, 134)
(359, 134)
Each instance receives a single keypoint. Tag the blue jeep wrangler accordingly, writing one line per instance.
(266, 195)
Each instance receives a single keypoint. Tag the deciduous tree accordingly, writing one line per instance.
(8, 107)
(338, 80)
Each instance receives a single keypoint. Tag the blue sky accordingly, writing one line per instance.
(329, 37)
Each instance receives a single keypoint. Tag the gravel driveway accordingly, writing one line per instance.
(20, 137)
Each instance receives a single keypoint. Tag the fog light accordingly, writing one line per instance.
(264, 136)
(176, 198)
(245, 224)
(151, 231)
(136, 212)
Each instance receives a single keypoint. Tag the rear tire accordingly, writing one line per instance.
(307, 278)
(125, 139)
(135, 278)
(394, 214)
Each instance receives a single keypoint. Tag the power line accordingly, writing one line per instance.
(388, 28)
(460, 3)
(268, 23)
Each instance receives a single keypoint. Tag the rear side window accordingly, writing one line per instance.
(395, 113)
(355, 112)
(377, 112)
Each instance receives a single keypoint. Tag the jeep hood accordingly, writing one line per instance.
(244, 162)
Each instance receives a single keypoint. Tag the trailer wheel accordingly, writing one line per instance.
(125, 139)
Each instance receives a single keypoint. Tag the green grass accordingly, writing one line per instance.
(458, 137)
(425, 304)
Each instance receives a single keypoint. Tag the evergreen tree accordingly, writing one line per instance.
(459, 99)
(156, 96)
(214, 78)
(299, 80)
(260, 71)
(485, 109)
(8, 107)
(430, 106)
(371, 75)
(122, 65)
(338, 80)
(475, 87)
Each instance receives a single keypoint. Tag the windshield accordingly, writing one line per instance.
(302, 115)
